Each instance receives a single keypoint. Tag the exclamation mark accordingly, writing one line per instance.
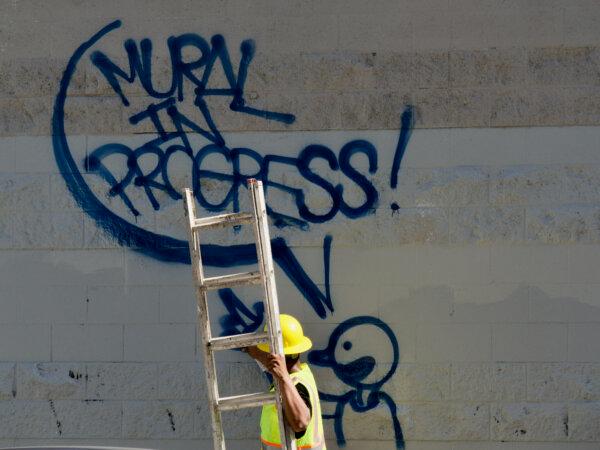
(406, 126)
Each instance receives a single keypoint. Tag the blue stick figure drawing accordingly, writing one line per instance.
(354, 374)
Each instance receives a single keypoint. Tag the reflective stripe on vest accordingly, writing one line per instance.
(313, 437)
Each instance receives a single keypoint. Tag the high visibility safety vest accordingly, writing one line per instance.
(313, 437)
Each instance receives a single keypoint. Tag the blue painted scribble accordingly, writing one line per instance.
(165, 144)
(354, 373)
(406, 126)
(239, 318)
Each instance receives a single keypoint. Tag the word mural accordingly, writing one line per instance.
(171, 136)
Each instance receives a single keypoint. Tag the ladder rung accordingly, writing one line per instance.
(246, 400)
(235, 279)
(238, 341)
(223, 220)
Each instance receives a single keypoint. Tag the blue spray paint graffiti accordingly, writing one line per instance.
(170, 249)
(165, 144)
(354, 374)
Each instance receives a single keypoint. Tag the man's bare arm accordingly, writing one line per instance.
(296, 412)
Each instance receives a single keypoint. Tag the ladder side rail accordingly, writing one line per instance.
(265, 262)
(204, 323)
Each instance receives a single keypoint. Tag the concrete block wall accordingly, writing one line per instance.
(481, 262)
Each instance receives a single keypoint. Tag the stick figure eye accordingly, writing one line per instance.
(347, 345)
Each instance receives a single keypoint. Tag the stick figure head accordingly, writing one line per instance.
(351, 364)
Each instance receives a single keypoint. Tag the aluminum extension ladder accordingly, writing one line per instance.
(265, 276)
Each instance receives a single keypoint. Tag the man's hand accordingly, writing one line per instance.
(276, 365)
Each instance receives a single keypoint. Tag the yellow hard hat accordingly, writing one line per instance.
(293, 337)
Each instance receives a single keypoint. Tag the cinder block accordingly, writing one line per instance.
(583, 267)
(406, 335)
(379, 110)
(417, 226)
(158, 419)
(488, 382)
(356, 259)
(491, 146)
(581, 101)
(489, 303)
(564, 66)
(318, 111)
(427, 148)
(177, 304)
(527, 185)
(432, 108)
(95, 237)
(50, 381)
(275, 72)
(290, 34)
(399, 304)
(472, 29)
(421, 383)
(181, 381)
(34, 155)
(394, 70)
(143, 270)
(18, 190)
(54, 230)
(241, 424)
(160, 342)
(88, 418)
(550, 106)
(93, 115)
(583, 421)
(9, 304)
(87, 342)
(457, 186)
(469, 107)
(529, 422)
(25, 342)
(52, 304)
(25, 116)
(246, 378)
(35, 419)
(61, 198)
(123, 304)
(510, 108)
(6, 231)
(7, 154)
(7, 414)
(67, 267)
(581, 183)
(453, 265)
(452, 342)
(447, 422)
(482, 225)
(504, 67)
(584, 342)
(356, 299)
(509, 28)
(339, 71)
(563, 224)
(530, 342)
(122, 381)
(529, 264)
(7, 381)
(564, 303)
(431, 29)
(356, 32)
(562, 382)
(581, 24)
